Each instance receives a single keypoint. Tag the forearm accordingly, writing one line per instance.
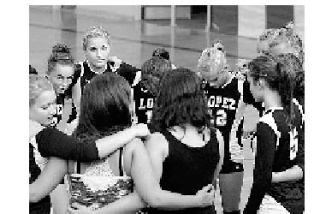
(166, 200)
(126, 205)
(292, 174)
(109, 144)
(49, 178)
(148, 187)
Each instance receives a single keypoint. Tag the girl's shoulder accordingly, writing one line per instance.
(157, 141)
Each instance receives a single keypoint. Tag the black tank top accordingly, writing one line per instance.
(187, 169)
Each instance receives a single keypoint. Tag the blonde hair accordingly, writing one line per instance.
(94, 32)
(37, 85)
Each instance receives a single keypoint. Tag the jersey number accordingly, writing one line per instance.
(221, 117)
(293, 143)
(149, 115)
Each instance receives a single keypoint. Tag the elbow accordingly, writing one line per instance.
(34, 196)
(155, 201)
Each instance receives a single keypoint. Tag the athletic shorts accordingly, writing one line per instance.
(229, 167)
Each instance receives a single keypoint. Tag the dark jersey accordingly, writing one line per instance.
(144, 102)
(279, 147)
(67, 94)
(59, 110)
(223, 103)
(187, 169)
(125, 70)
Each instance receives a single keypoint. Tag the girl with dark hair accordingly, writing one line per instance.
(293, 64)
(278, 141)
(146, 90)
(109, 114)
(185, 153)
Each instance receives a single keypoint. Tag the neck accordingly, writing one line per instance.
(96, 69)
(272, 99)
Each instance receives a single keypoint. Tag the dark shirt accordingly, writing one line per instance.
(144, 102)
(186, 170)
(125, 70)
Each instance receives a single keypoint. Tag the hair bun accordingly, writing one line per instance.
(60, 48)
(61, 51)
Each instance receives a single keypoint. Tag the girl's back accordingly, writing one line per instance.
(187, 167)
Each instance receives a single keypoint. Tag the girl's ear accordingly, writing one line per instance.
(261, 83)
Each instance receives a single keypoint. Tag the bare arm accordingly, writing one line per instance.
(49, 178)
(126, 205)
(294, 173)
(221, 152)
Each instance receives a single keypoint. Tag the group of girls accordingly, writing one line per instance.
(194, 129)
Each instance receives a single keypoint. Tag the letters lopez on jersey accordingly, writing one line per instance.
(223, 103)
(219, 107)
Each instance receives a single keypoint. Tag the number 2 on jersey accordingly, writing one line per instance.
(221, 117)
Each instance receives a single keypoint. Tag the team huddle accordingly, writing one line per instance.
(107, 137)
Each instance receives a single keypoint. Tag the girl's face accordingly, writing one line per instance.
(44, 108)
(61, 77)
(255, 89)
(97, 51)
(212, 64)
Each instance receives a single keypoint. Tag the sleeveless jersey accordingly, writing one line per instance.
(279, 147)
(187, 169)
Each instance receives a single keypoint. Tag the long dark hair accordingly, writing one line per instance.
(105, 107)
(278, 77)
(180, 101)
(292, 63)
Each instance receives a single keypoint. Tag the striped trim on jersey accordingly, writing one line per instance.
(296, 102)
(269, 120)
(40, 161)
